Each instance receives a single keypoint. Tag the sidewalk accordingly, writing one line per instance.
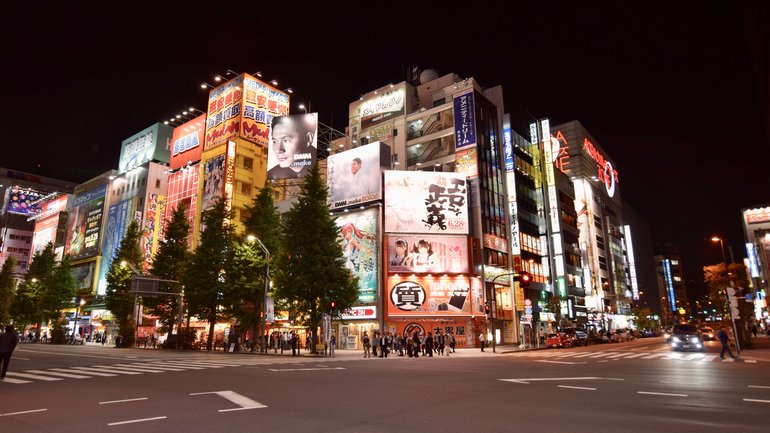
(759, 350)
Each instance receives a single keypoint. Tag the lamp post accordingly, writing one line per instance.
(493, 311)
(263, 324)
(727, 297)
(79, 303)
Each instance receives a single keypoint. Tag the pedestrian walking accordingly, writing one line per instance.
(416, 344)
(483, 340)
(725, 340)
(451, 338)
(441, 341)
(367, 344)
(8, 341)
(375, 343)
(293, 340)
(332, 343)
(429, 344)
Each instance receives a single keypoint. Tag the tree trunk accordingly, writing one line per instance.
(212, 322)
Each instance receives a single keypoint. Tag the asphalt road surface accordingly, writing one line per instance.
(638, 386)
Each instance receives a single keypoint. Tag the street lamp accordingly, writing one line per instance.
(727, 297)
(263, 325)
(303, 108)
(493, 311)
(79, 304)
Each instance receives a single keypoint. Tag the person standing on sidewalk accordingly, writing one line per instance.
(8, 341)
(483, 340)
(725, 340)
(367, 344)
(332, 343)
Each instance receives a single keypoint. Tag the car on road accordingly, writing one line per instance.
(686, 337)
(708, 333)
(558, 340)
(576, 336)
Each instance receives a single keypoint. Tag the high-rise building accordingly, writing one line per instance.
(672, 289)
(756, 230)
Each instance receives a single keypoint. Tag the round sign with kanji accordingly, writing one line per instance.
(407, 296)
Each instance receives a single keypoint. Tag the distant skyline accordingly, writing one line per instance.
(668, 90)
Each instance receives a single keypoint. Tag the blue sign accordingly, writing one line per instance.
(465, 121)
(117, 223)
(508, 148)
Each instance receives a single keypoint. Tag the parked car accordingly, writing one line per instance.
(686, 337)
(667, 335)
(708, 333)
(558, 340)
(578, 337)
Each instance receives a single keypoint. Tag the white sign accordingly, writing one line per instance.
(359, 313)
(426, 202)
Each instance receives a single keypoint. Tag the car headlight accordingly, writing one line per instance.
(667, 335)
(677, 339)
(694, 339)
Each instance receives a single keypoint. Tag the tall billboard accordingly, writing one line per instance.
(389, 104)
(153, 225)
(354, 177)
(187, 142)
(358, 238)
(213, 180)
(465, 120)
(426, 202)
(47, 223)
(436, 254)
(151, 144)
(118, 217)
(293, 146)
(85, 223)
(243, 107)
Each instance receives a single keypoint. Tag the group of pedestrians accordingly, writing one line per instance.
(442, 344)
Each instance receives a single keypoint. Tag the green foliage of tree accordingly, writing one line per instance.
(118, 298)
(718, 279)
(311, 266)
(204, 280)
(643, 318)
(7, 290)
(245, 283)
(169, 264)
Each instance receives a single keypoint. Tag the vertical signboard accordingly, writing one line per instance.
(358, 238)
(153, 219)
(86, 223)
(213, 180)
(465, 121)
(118, 217)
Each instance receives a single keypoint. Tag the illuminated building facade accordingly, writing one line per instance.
(756, 229)
(672, 289)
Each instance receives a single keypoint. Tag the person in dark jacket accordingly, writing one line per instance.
(8, 341)
(429, 345)
(725, 340)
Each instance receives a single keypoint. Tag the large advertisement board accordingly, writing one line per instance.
(187, 142)
(243, 107)
(84, 276)
(151, 144)
(293, 146)
(85, 223)
(354, 177)
(358, 238)
(465, 120)
(23, 201)
(436, 254)
(47, 223)
(383, 107)
(431, 296)
(153, 225)
(213, 180)
(426, 202)
(118, 217)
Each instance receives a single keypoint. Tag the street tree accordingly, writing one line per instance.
(263, 223)
(311, 272)
(245, 283)
(718, 279)
(119, 298)
(7, 289)
(205, 279)
(169, 264)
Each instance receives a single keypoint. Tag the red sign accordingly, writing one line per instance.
(187, 142)
(605, 172)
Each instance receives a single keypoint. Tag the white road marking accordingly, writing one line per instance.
(241, 400)
(305, 369)
(55, 373)
(123, 401)
(661, 393)
(83, 370)
(148, 367)
(33, 376)
(654, 355)
(526, 381)
(142, 369)
(113, 369)
(635, 355)
(23, 412)
(750, 361)
(75, 354)
(11, 380)
(559, 362)
(604, 360)
(759, 386)
(577, 387)
(136, 420)
(756, 401)
(19, 358)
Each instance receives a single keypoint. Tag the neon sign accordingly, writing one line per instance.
(606, 173)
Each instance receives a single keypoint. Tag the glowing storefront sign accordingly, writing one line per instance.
(751, 253)
(669, 284)
(383, 107)
(605, 172)
(631, 262)
(757, 216)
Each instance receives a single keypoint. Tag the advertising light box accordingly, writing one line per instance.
(358, 238)
(152, 144)
(118, 217)
(354, 177)
(187, 142)
(437, 254)
(426, 202)
(85, 223)
(293, 146)
(23, 201)
(430, 296)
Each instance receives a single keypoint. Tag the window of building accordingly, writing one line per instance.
(248, 163)
(157, 183)
(246, 188)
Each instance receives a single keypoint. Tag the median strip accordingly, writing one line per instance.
(756, 401)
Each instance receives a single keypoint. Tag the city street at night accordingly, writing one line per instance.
(612, 387)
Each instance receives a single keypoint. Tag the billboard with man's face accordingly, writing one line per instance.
(293, 146)
(354, 177)
(426, 202)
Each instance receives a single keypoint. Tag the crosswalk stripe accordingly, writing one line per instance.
(200, 364)
(619, 355)
(164, 366)
(12, 380)
(654, 355)
(56, 373)
(83, 371)
(635, 355)
(113, 369)
(708, 358)
(142, 369)
(601, 354)
(188, 366)
(33, 376)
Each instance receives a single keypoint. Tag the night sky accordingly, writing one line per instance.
(667, 89)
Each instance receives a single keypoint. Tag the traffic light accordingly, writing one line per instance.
(488, 309)
(524, 278)
(332, 304)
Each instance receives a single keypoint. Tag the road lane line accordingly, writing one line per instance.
(661, 393)
(756, 401)
(145, 366)
(305, 369)
(55, 374)
(33, 376)
(634, 355)
(559, 362)
(750, 361)
(112, 369)
(83, 371)
(577, 387)
(759, 386)
(10, 380)
(23, 412)
(136, 420)
(143, 369)
(123, 401)
(240, 408)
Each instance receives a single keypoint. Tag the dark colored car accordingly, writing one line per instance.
(686, 337)
(578, 337)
